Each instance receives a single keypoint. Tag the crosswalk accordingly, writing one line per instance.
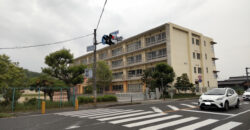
(149, 120)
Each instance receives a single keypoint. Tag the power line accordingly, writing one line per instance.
(47, 44)
(101, 14)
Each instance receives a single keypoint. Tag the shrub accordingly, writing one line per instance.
(84, 99)
(32, 101)
(106, 98)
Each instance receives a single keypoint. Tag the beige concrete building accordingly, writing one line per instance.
(187, 51)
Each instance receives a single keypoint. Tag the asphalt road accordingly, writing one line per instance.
(181, 115)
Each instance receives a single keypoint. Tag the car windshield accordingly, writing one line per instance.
(248, 90)
(216, 91)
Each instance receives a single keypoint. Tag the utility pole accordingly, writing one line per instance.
(94, 68)
(247, 77)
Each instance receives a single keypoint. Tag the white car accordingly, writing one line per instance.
(246, 95)
(219, 98)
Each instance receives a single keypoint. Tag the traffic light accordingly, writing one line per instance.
(108, 39)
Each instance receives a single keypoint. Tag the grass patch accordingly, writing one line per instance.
(5, 115)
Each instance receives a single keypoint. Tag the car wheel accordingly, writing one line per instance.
(238, 104)
(201, 108)
(226, 106)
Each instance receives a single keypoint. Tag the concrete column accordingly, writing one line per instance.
(125, 86)
(144, 87)
(110, 87)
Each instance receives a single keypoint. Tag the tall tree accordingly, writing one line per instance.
(103, 75)
(147, 78)
(163, 75)
(59, 66)
(47, 84)
(11, 76)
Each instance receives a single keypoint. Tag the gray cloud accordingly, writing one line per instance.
(43, 21)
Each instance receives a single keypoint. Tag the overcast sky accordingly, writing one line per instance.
(31, 22)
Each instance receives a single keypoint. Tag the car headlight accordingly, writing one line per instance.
(220, 98)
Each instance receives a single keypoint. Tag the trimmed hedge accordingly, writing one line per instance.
(105, 98)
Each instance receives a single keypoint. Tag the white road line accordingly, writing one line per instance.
(84, 111)
(195, 103)
(136, 118)
(168, 124)
(151, 121)
(124, 116)
(173, 107)
(72, 127)
(245, 102)
(191, 106)
(156, 109)
(99, 115)
(228, 126)
(238, 114)
(113, 114)
(215, 113)
(198, 124)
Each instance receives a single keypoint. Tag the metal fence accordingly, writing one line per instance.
(22, 99)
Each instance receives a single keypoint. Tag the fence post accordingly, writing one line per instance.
(61, 99)
(43, 107)
(74, 96)
(13, 99)
(39, 101)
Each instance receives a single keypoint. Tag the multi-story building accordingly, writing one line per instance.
(185, 50)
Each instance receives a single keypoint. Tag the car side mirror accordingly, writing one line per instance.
(229, 94)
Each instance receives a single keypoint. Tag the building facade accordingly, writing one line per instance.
(185, 50)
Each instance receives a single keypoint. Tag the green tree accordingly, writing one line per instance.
(147, 78)
(60, 66)
(47, 84)
(163, 76)
(103, 75)
(11, 76)
(183, 83)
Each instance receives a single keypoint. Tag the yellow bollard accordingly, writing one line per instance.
(76, 105)
(43, 107)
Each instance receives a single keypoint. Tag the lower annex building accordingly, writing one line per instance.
(185, 50)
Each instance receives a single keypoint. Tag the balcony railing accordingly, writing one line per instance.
(155, 57)
(155, 42)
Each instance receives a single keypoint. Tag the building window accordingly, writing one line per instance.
(134, 88)
(85, 61)
(103, 55)
(197, 42)
(91, 59)
(207, 70)
(117, 63)
(194, 55)
(199, 70)
(134, 73)
(134, 46)
(156, 54)
(117, 51)
(117, 75)
(208, 84)
(198, 56)
(206, 56)
(192, 40)
(194, 69)
(212, 48)
(117, 88)
(134, 59)
(204, 43)
(155, 38)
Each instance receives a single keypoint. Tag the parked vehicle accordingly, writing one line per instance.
(219, 98)
(246, 94)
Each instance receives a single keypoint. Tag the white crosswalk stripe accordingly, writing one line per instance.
(173, 107)
(136, 118)
(195, 103)
(198, 124)
(228, 126)
(113, 114)
(151, 121)
(168, 124)
(191, 106)
(124, 116)
(88, 114)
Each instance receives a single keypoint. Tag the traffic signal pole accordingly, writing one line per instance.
(247, 77)
(94, 69)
